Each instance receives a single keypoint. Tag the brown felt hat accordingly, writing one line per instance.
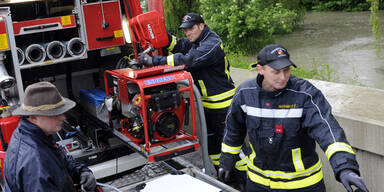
(43, 99)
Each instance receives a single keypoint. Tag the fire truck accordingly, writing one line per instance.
(128, 117)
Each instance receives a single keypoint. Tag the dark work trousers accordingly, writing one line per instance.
(215, 119)
(254, 187)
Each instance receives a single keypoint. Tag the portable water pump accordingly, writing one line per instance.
(152, 110)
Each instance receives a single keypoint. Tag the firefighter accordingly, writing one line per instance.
(284, 116)
(202, 53)
(33, 161)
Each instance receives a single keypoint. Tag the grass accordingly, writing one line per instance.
(240, 61)
(319, 71)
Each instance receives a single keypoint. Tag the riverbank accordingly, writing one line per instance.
(342, 40)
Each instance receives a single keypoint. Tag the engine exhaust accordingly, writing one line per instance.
(6, 81)
(35, 53)
(55, 50)
(75, 47)
(20, 55)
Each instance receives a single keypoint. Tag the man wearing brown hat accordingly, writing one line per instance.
(33, 161)
(203, 55)
(284, 116)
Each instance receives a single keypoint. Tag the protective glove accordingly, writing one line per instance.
(145, 59)
(88, 181)
(348, 178)
(224, 175)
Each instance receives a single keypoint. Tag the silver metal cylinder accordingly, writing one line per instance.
(35, 53)
(55, 50)
(75, 47)
(6, 81)
(20, 55)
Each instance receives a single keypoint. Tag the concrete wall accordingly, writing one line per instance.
(360, 111)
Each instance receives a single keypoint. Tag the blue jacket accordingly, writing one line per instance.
(283, 127)
(208, 64)
(34, 163)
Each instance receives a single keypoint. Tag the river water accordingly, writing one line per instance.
(342, 40)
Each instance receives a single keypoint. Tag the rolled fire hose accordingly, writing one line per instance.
(20, 55)
(35, 53)
(75, 47)
(55, 50)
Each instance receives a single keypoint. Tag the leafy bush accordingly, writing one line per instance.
(245, 26)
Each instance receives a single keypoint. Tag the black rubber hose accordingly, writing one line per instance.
(69, 82)
(186, 113)
(3, 143)
(150, 127)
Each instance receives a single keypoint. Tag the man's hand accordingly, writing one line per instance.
(88, 181)
(348, 178)
(224, 175)
(145, 59)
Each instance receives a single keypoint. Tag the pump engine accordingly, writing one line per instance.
(165, 117)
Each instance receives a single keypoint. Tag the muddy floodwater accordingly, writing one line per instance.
(342, 40)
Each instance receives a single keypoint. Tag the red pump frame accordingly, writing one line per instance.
(152, 81)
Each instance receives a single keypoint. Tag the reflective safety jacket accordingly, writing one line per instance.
(34, 163)
(282, 127)
(208, 64)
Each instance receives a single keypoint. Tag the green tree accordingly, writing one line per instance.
(375, 22)
(247, 25)
(174, 10)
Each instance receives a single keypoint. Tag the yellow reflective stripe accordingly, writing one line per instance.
(220, 96)
(338, 147)
(226, 67)
(216, 162)
(218, 105)
(226, 63)
(170, 60)
(286, 175)
(173, 43)
(241, 165)
(297, 160)
(252, 155)
(215, 156)
(311, 180)
(229, 149)
(203, 88)
(242, 161)
(215, 159)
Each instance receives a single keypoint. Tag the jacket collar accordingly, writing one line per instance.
(35, 131)
(203, 34)
(263, 92)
